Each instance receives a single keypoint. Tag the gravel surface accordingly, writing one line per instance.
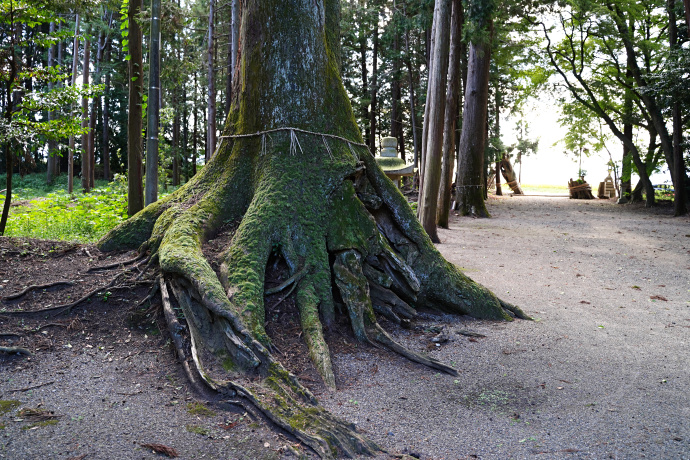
(602, 372)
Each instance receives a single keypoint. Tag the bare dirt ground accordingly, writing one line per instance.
(602, 372)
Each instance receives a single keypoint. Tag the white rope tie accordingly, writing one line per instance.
(294, 140)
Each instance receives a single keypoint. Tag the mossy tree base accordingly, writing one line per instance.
(344, 230)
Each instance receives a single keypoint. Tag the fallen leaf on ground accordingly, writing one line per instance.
(161, 449)
(584, 301)
(229, 426)
(658, 297)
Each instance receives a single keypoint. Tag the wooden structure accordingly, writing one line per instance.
(580, 190)
(607, 189)
(393, 166)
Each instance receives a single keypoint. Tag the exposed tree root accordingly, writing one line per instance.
(35, 287)
(17, 350)
(350, 228)
(117, 264)
(65, 308)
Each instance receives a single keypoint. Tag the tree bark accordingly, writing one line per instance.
(428, 199)
(413, 108)
(105, 140)
(211, 133)
(135, 192)
(679, 198)
(52, 144)
(153, 106)
(469, 183)
(450, 121)
(295, 193)
(72, 144)
(374, 87)
(85, 160)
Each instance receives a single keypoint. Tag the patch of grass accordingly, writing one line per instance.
(49, 212)
(40, 424)
(197, 430)
(8, 405)
(544, 189)
(197, 408)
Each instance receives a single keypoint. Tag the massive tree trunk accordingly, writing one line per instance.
(312, 193)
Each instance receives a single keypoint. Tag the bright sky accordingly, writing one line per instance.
(550, 166)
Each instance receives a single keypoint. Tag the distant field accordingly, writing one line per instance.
(545, 189)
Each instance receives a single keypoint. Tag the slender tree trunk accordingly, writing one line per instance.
(450, 120)
(52, 144)
(396, 112)
(185, 132)
(176, 144)
(195, 133)
(211, 138)
(9, 109)
(469, 184)
(105, 139)
(413, 109)
(679, 198)
(95, 106)
(374, 87)
(153, 106)
(431, 38)
(85, 160)
(135, 193)
(436, 101)
(72, 146)
(364, 71)
(626, 173)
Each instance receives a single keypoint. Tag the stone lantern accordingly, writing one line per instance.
(393, 166)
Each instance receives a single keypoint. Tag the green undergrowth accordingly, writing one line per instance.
(49, 212)
(199, 409)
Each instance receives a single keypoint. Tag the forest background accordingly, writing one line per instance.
(571, 80)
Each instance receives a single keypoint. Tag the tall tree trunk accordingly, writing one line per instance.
(135, 192)
(72, 146)
(153, 106)
(450, 120)
(374, 87)
(329, 239)
(428, 198)
(95, 106)
(195, 134)
(176, 143)
(211, 133)
(626, 173)
(396, 112)
(52, 144)
(679, 198)
(105, 139)
(9, 109)
(363, 36)
(413, 109)
(469, 183)
(184, 151)
(85, 160)
(431, 38)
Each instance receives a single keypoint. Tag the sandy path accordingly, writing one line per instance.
(602, 373)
